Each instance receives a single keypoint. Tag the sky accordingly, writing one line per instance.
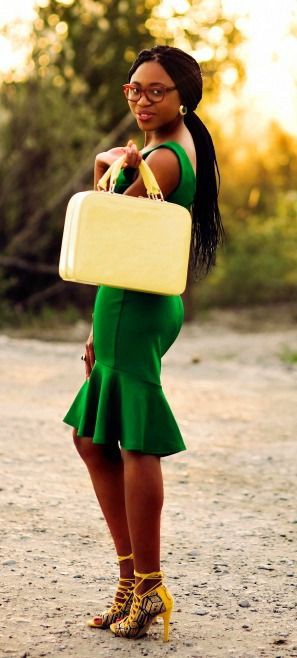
(270, 55)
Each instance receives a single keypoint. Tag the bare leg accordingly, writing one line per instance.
(107, 474)
(144, 500)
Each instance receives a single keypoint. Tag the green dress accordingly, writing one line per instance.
(123, 401)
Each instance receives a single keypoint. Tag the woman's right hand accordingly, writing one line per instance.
(104, 160)
(89, 356)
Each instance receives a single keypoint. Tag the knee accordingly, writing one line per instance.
(93, 454)
(76, 440)
(140, 459)
(85, 447)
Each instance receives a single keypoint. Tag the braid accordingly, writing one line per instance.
(207, 228)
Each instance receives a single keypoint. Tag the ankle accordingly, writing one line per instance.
(127, 569)
(144, 584)
(126, 564)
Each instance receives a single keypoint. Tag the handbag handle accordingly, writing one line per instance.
(151, 185)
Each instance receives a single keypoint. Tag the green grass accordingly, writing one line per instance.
(288, 356)
(48, 323)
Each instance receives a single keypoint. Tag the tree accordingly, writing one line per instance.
(67, 101)
(53, 118)
(87, 46)
(201, 28)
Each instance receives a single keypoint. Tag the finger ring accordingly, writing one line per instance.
(83, 358)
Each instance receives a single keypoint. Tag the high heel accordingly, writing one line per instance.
(122, 602)
(155, 602)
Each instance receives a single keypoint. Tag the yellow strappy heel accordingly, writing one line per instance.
(122, 602)
(146, 607)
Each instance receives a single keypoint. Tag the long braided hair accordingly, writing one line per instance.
(207, 228)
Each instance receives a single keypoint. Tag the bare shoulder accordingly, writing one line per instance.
(164, 164)
(164, 156)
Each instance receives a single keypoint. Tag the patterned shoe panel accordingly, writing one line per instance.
(144, 610)
(117, 611)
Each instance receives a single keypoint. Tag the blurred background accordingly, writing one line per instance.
(62, 65)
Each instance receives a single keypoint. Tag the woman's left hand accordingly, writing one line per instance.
(133, 156)
(89, 356)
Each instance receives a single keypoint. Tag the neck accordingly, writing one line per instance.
(164, 133)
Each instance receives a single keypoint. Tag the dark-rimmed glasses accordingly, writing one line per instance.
(153, 93)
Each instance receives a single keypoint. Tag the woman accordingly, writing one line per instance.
(123, 423)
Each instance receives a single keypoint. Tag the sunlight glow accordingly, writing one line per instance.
(269, 53)
(270, 58)
(14, 51)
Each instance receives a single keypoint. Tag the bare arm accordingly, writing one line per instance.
(165, 167)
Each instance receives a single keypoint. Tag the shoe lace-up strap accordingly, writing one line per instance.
(148, 576)
(125, 588)
(125, 557)
(153, 575)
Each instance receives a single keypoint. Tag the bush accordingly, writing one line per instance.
(258, 263)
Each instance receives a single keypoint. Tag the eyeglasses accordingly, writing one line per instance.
(153, 93)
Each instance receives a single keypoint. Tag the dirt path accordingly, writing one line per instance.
(230, 514)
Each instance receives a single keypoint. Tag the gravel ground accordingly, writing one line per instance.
(230, 515)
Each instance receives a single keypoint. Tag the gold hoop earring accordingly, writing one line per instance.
(183, 110)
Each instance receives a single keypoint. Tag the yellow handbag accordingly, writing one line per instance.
(128, 242)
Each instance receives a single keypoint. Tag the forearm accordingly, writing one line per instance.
(99, 169)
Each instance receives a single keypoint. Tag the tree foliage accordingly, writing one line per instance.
(259, 201)
(53, 118)
(201, 27)
(69, 99)
(86, 47)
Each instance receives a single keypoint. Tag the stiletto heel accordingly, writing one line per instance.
(166, 619)
(122, 602)
(155, 602)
